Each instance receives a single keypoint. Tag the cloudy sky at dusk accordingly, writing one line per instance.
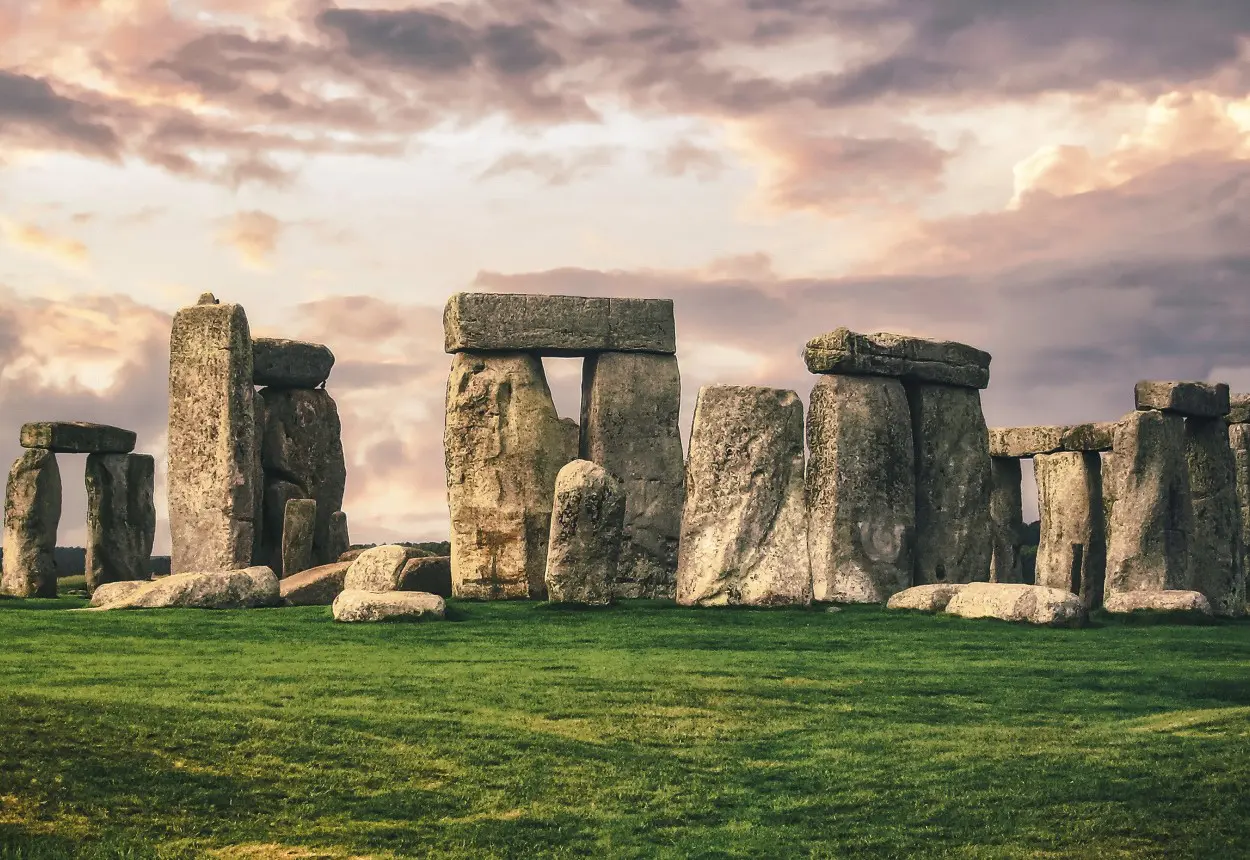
(1063, 183)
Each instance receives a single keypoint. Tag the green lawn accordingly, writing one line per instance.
(641, 731)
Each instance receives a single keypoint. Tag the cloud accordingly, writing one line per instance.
(551, 169)
(254, 235)
(30, 237)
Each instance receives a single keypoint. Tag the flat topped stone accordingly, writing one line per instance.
(884, 354)
(1239, 409)
(1021, 442)
(1192, 399)
(282, 363)
(77, 437)
(557, 325)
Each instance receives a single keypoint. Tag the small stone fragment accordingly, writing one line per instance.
(388, 606)
(317, 586)
(1158, 601)
(1034, 604)
(1072, 554)
(913, 359)
(32, 512)
(377, 569)
(587, 520)
(121, 517)
(557, 325)
(927, 598)
(297, 536)
(1191, 399)
(77, 437)
(282, 363)
(431, 574)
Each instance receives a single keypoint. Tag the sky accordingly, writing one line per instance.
(1065, 184)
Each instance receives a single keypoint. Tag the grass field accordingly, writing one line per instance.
(641, 731)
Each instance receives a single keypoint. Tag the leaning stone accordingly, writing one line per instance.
(114, 592)
(1239, 440)
(953, 536)
(557, 325)
(1192, 399)
(587, 519)
(317, 586)
(631, 404)
(744, 528)
(504, 444)
(431, 574)
(1216, 549)
(1158, 601)
(234, 589)
(1034, 604)
(1239, 409)
(1072, 552)
(914, 359)
(212, 439)
(297, 536)
(861, 489)
(1006, 520)
(337, 541)
(389, 606)
(1152, 520)
(121, 517)
(282, 363)
(77, 437)
(377, 569)
(927, 598)
(32, 512)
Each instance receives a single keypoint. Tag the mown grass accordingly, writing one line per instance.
(639, 731)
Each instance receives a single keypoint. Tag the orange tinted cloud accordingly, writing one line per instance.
(30, 237)
(254, 235)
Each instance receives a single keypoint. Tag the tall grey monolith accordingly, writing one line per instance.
(1239, 439)
(587, 526)
(299, 524)
(340, 540)
(32, 512)
(1072, 552)
(1216, 549)
(1006, 520)
(121, 517)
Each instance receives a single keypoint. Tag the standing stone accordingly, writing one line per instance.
(32, 512)
(298, 525)
(1072, 553)
(261, 554)
(1006, 520)
(338, 541)
(121, 518)
(1216, 549)
(504, 445)
(953, 535)
(861, 489)
(278, 493)
(744, 527)
(1152, 520)
(303, 445)
(587, 523)
(630, 410)
(212, 439)
(1239, 439)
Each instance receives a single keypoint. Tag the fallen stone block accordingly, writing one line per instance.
(388, 606)
(234, 589)
(911, 358)
(1191, 399)
(317, 586)
(431, 574)
(557, 325)
(1024, 442)
(114, 592)
(282, 363)
(927, 598)
(77, 437)
(1033, 604)
(377, 569)
(1158, 601)
(587, 520)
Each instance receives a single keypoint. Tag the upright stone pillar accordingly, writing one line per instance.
(340, 541)
(1239, 439)
(953, 537)
(1216, 549)
(1006, 520)
(504, 445)
(744, 528)
(1152, 521)
(630, 409)
(587, 524)
(32, 512)
(1072, 554)
(212, 439)
(121, 518)
(861, 489)
(299, 526)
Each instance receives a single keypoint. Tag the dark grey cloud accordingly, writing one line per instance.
(33, 113)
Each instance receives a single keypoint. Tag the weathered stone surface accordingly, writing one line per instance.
(389, 606)
(113, 592)
(377, 569)
(353, 554)
(557, 325)
(587, 522)
(630, 410)
(262, 552)
(928, 598)
(303, 446)
(1239, 440)
(1072, 553)
(77, 437)
(1193, 399)
(282, 363)
(32, 512)
(1034, 604)
(953, 536)
(297, 536)
(861, 489)
(504, 445)
(1152, 520)
(317, 586)
(431, 574)
(212, 439)
(911, 358)
(1030, 441)
(338, 540)
(278, 493)
(744, 528)
(1158, 601)
(1216, 549)
(1006, 520)
(233, 589)
(1239, 409)
(121, 517)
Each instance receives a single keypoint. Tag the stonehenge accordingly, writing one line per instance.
(1072, 554)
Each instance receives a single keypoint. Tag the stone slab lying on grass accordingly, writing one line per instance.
(388, 606)
(928, 598)
(1034, 604)
(377, 569)
(113, 592)
(317, 586)
(77, 437)
(913, 358)
(1022, 442)
(285, 363)
(1159, 601)
(232, 589)
(1191, 399)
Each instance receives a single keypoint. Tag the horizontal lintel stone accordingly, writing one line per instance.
(1192, 399)
(912, 358)
(281, 363)
(1021, 442)
(77, 437)
(557, 325)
